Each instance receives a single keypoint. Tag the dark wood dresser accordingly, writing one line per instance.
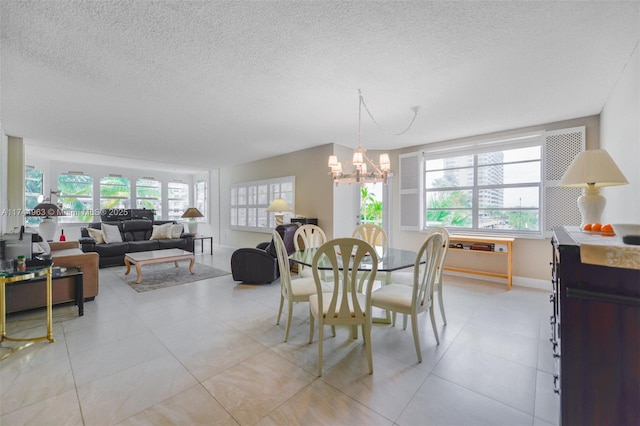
(596, 328)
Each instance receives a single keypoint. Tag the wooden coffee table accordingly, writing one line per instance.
(156, 256)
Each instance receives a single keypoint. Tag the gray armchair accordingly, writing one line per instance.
(259, 265)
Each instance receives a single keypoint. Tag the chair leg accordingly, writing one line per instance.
(444, 318)
(416, 335)
(433, 324)
(366, 335)
(393, 318)
(404, 321)
(311, 321)
(280, 310)
(289, 316)
(333, 330)
(320, 341)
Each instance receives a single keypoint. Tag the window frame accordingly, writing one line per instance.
(157, 205)
(74, 215)
(200, 197)
(248, 202)
(125, 201)
(32, 220)
(174, 212)
(475, 149)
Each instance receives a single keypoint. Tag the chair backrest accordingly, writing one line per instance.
(309, 236)
(445, 249)
(425, 271)
(345, 256)
(283, 264)
(371, 233)
(286, 232)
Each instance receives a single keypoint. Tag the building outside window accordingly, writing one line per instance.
(177, 199)
(149, 195)
(76, 196)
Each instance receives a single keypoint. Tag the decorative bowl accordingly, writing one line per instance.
(622, 229)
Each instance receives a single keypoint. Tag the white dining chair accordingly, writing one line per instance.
(343, 306)
(371, 233)
(418, 297)
(292, 291)
(439, 273)
(404, 277)
(374, 234)
(308, 236)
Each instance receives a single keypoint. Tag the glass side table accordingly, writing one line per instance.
(9, 277)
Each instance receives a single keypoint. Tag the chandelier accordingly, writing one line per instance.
(364, 170)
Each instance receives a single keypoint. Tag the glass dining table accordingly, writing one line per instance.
(389, 259)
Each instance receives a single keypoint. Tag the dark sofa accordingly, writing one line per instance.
(259, 265)
(135, 236)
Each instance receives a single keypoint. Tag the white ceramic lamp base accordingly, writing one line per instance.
(591, 205)
(193, 227)
(47, 228)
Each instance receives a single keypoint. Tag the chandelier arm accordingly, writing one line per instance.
(374, 165)
(415, 114)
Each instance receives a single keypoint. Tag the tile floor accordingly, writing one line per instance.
(210, 352)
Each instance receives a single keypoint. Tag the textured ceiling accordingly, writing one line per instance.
(208, 84)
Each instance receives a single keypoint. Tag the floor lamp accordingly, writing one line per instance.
(278, 207)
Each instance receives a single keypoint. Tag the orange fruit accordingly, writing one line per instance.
(587, 227)
(596, 227)
(606, 228)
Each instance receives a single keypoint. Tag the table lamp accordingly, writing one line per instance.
(191, 214)
(47, 211)
(278, 206)
(591, 170)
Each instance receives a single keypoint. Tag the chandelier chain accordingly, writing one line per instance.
(363, 103)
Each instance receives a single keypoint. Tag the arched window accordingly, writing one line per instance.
(115, 192)
(149, 195)
(76, 196)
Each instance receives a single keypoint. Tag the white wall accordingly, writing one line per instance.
(620, 136)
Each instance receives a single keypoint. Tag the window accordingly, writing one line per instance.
(505, 186)
(201, 198)
(177, 199)
(76, 196)
(249, 202)
(115, 192)
(33, 189)
(499, 189)
(149, 195)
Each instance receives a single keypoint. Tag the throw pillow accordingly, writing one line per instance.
(111, 233)
(161, 232)
(176, 231)
(97, 235)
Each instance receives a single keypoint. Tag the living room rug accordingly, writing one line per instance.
(164, 275)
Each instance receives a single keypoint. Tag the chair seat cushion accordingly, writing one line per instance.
(302, 288)
(395, 297)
